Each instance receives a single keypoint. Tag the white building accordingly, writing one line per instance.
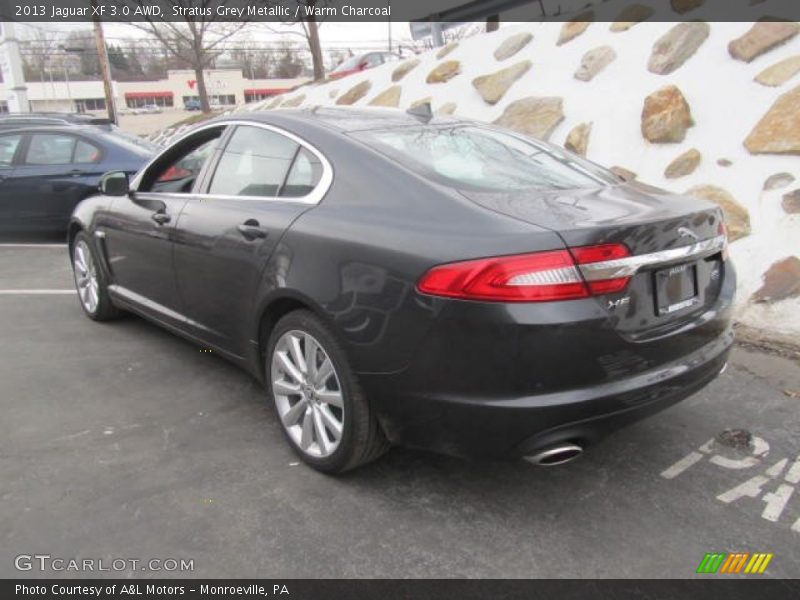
(225, 87)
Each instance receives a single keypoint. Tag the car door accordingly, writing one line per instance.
(55, 172)
(262, 180)
(12, 206)
(138, 233)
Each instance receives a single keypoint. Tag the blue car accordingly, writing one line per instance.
(46, 171)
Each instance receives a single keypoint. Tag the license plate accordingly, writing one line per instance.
(676, 288)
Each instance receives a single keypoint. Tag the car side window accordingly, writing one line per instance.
(177, 176)
(304, 175)
(255, 163)
(8, 147)
(50, 149)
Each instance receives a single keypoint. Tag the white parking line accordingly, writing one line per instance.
(35, 292)
(33, 245)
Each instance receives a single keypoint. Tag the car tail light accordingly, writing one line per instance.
(535, 277)
(594, 254)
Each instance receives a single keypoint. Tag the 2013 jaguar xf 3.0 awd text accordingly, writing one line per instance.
(396, 278)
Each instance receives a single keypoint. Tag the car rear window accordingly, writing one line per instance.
(485, 159)
(255, 163)
(131, 143)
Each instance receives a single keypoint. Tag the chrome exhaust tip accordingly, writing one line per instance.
(555, 455)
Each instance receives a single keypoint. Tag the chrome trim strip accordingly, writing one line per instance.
(315, 197)
(630, 265)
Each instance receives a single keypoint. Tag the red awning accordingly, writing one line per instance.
(265, 91)
(148, 94)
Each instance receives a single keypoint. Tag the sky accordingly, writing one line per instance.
(336, 33)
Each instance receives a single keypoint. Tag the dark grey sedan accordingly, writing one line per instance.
(395, 278)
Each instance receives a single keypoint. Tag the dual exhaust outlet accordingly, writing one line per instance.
(558, 454)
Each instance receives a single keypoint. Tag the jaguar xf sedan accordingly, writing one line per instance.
(399, 278)
(46, 171)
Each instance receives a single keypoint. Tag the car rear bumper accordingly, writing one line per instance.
(519, 426)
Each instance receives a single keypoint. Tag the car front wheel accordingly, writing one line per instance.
(90, 281)
(323, 411)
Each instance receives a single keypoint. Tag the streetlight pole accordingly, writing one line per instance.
(69, 91)
(11, 67)
(389, 25)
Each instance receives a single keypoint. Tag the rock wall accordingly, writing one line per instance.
(709, 109)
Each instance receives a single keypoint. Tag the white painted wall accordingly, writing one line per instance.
(725, 101)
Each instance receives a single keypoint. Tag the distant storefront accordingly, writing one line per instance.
(140, 99)
(225, 87)
(256, 94)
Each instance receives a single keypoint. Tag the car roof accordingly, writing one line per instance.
(87, 129)
(48, 115)
(344, 119)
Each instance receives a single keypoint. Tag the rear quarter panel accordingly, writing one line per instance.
(357, 256)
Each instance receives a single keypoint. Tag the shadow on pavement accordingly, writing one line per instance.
(13, 237)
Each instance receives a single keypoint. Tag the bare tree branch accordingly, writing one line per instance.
(192, 40)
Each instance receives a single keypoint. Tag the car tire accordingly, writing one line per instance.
(91, 282)
(310, 403)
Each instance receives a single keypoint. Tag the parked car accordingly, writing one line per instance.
(17, 120)
(362, 62)
(150, 109)
(46, 171)
(191, 105)
(399, 278)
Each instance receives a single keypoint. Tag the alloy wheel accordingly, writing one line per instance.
(307, 393)
(86, 277)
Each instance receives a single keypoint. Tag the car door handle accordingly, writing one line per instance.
(251, 230)
(77, 172)
(161, 218)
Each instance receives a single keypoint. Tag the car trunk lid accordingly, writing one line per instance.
(675, 266)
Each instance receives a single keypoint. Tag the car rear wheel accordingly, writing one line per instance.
(90, 281)
(323, 411)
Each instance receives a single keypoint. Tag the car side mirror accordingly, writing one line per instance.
(114, 183)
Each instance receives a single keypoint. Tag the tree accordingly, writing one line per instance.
(118, 58)
(310, 31)
(81, 42)
(253, 58)
(135, 69)
(195, 40)
(38, 50)
(288, 66)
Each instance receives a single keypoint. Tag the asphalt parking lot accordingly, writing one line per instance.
(123, 441)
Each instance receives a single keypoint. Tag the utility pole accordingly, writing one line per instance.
(102, 55)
